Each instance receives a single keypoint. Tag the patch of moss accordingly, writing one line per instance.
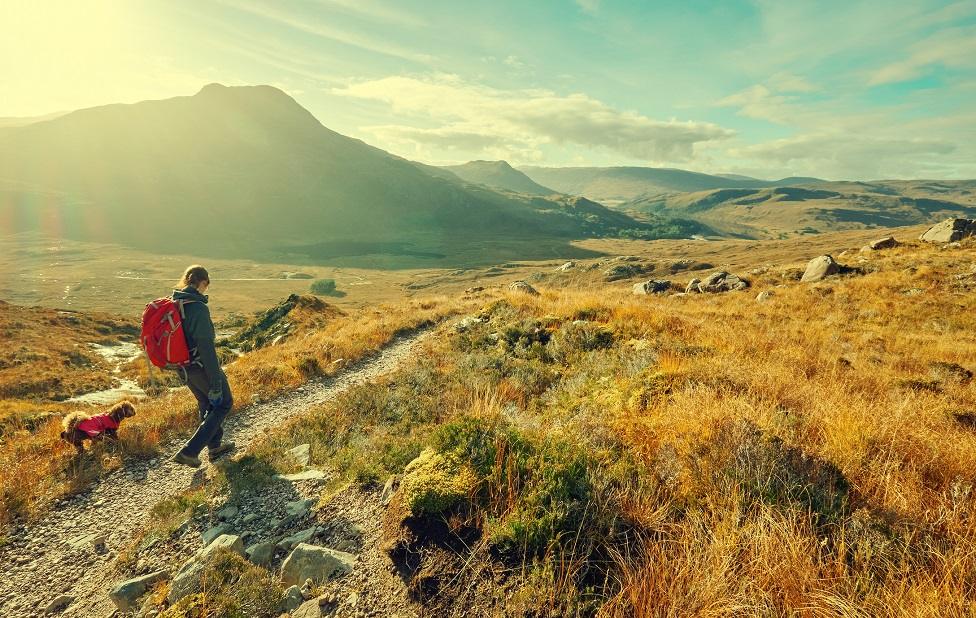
(433, 483)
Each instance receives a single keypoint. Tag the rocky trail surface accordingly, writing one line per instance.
(55, 562)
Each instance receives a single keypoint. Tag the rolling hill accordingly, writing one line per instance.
(612, 185)
(779, 212)
(498, 175)
(248, 172)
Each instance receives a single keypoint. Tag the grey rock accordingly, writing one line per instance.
(570, 265)
(888, 242)
(209, 535)
(125, 594)
(523, 287)
(308, 609)
(692, 287)
(302, 454)
(299, 508)
(764, 296)
(292, 599)
(653, 286)
(722, 281)
(260, 553)
(228, 513)
(320, 564)
(305, 475)
(250, 517)
(950, 230)
(302, 536)
(820, 267)
(187, 578)
(467, 323)
(59, 604)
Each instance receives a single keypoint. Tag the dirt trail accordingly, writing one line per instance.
(42, 561)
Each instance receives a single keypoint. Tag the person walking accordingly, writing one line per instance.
(203, 376)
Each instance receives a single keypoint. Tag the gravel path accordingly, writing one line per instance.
(54, 556)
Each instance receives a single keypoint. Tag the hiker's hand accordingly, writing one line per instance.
(215, 397)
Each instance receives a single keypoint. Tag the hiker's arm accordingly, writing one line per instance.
(204, 337)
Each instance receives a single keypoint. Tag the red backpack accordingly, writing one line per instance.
(162, 333)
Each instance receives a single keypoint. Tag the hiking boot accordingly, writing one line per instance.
(186, 460)
(220, 450)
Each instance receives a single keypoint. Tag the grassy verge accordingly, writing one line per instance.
(36, 467)
(691, 455)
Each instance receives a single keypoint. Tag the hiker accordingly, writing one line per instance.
(203, 376)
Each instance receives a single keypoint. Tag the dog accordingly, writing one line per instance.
(79, 426)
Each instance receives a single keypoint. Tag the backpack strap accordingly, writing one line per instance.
(180, 304)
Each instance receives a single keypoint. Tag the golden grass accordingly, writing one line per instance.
(37, 467)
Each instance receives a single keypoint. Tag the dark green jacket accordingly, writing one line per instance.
(200, 336)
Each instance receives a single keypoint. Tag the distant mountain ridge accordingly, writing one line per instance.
(498, 175)
(618, 184)
(246, 171)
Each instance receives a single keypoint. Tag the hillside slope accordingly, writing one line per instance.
(498, 175)
(617, 184)
(248, 171)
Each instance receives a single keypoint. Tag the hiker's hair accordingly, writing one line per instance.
(194, 275)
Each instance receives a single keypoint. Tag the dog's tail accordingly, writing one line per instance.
(71, 421)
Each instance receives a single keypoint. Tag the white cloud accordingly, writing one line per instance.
(321, 28)
(851, 156)
(773, 100)
(527, 119)
(951, 48)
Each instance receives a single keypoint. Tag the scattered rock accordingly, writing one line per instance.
(308, 609)
(820, 267)
(125, 594)
(567, 266)
(250, 518)
(764, 296)
(888, 242)
(716, 282)
(292, 599)
(523, 287)
(467, 323)
(187, 579)
(320, 564)
(220, 529)
(228, 513)
(59, 604)
(306, 475)
(950, 230)
(302, 454)
(302, 536)
(654, 286)
(299, 508)
(260, 553)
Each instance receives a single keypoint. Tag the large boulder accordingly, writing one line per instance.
(319, 564)
(523, 287)
(261, 553)
(126, 594)
(654, 286)
(821, 267)
(716, 282)
(950, 230)
(187, 579)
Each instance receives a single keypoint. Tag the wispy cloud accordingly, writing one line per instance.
(322, 29)
(589, 6)
(949, 48)
(526, 119)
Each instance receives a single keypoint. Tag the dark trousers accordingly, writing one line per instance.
(211, 428)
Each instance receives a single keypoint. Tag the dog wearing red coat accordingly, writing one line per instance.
(79, 426)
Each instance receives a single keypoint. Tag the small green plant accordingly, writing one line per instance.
(323, 287)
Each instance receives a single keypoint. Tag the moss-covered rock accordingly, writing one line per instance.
(433, 483)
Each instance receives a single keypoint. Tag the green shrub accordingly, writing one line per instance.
(324, 287)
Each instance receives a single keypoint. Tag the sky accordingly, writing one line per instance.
(840, 90)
